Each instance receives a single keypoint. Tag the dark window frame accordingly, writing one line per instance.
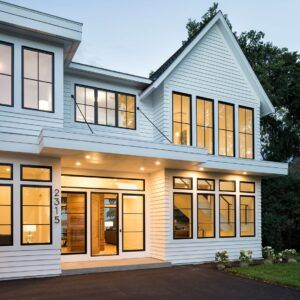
(205, 126)
(21, 214)
(12, 72)
(53, 81)
(96, 106)
(85, 221)
(118, 225)
(214, 220)
(11, 216)
(254, 218)
(213, 180)
(11, 168)
(144, 222)
(224, 180)
(192, 216)
(226, 130)
(235, 214)
(251, 182)
(253, 138)
(191, 118)
(182, 177)
(35, 167)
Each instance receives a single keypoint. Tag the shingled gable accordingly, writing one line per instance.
(164, 71)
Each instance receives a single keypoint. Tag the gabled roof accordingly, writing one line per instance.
(164, 71)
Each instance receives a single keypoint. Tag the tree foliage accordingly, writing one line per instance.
(278, 70)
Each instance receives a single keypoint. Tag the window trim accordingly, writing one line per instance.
(179, 177)
(191, 118)
(85, 221)
(253, 138)
(247, 192)
(11, 212)
(212, 179)
(192, 216)
(213, 122)
(214, 220)
(254, 216)
(21, 214)
(12, 73)
(53, 77)
(35, 167)
(233, 132)
(144, 222)
(235, 219)
(227, 180)
(96, 106)
(12, 171)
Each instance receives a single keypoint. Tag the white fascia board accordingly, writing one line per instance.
(97, 143)
(74, 66)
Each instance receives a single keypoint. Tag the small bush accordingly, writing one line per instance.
(222, 257)
(245, 256)
(268, 253)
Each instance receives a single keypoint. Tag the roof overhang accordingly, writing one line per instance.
(39, 25)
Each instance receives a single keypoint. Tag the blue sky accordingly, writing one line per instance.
(137, 36)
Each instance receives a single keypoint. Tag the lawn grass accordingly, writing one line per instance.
(283, 274)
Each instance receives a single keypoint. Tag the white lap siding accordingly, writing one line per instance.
(203, 250)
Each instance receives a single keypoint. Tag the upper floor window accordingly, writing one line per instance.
(105, 107)
(182, 133)
(226, 129)
(38, 80)
(6, 74)
(246, 132)
(205, 124)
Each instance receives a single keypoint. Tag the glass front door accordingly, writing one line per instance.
(104, 224)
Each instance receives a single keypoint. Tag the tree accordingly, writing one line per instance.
(279, 73)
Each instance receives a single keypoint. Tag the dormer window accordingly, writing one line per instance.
(38, 80)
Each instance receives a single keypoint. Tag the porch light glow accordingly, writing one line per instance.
(201, 169)
(157, 163)
(88, 157)
(78, 163)
(142, 168)
(245, 173)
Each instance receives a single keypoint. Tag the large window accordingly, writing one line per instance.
(36, 173)
(182, 133)
(206, 215)
(6, 171)
(6, 233)
(6, 74)
(36, 215)
(247, 216)
(226, 129)
(246, 132)
(227, 216)
(205, 124)
(106, 108)
(182, 216)
(38, 80)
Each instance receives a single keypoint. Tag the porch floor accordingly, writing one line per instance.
(87, 267)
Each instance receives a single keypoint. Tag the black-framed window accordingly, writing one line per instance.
(205, 184)
(206, 215)
(6, 73)
(104, 107)
(205, 124)
(246, 132)
(183, 183)
(36, 214)
(227, 185)
(36, 173)
(6, 171)
(38, 79)
(182, 120)
(6, 215)
(247, 187)
(247, 216)
(226, 129)
(227, 216)
(182, 215)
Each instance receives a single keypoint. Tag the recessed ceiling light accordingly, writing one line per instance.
(245, 173)
(78, 163)
(88, 157)
(142, 168)
(201, 169)
(157, 163)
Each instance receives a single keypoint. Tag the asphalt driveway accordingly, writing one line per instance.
(182, 282)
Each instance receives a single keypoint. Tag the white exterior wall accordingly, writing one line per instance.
(30, 260)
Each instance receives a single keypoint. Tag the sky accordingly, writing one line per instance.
(137, 36)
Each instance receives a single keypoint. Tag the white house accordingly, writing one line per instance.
(100, 165)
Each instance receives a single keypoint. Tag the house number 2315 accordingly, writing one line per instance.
(56, 206)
